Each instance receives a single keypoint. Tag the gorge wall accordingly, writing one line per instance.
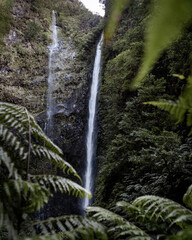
(140, 149)
(24, 73)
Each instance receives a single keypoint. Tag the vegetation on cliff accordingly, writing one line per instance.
(141, 149)
(25, 37)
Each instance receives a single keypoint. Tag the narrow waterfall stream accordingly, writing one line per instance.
(91, 144)
(51, 77)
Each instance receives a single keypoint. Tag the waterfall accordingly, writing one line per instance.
(51, 77)
(90, 143)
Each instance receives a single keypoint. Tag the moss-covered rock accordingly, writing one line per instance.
(24, 62)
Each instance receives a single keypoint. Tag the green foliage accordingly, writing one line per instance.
(32, 31)
(70, 227)
(153, 210)
(59, 184)
(23, 142)
(118, 226)
(158, 210)
(187, 198)
(166, 24)
(182, 235)
(141, 151)
(181, 108)
(5, 18)
(139, 140)
(118, 7)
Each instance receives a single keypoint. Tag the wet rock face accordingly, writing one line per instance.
(69, 133)
(69, 119)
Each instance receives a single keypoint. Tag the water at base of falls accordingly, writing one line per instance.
(90, 144)
(51, 77)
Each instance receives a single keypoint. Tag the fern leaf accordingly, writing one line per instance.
(43, 152)
(61, 184)
(8, 137)
(75, 227)
(140, 238)
(123, 226)
(166, 24)
(185, 234)
(6, 161)
(163, 208)
(187, 198)
(6, 221)
(177, 109)
(46, 237)
(17, 117)
(34, 194)
(102, 214)
(181, 108)
(127, 229)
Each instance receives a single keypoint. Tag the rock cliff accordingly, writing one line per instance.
(24, 72)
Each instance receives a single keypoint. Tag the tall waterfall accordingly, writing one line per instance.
(51, 78)
(90, 144)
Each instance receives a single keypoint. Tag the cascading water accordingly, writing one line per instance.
(51, 78)
(90, 144)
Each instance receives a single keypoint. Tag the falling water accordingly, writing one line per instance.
(90, 144)
(51, 78)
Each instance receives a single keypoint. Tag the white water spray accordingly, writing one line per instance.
(90, 144)
(51, 78)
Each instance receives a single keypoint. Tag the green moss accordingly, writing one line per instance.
(5, 19)
(33, 31)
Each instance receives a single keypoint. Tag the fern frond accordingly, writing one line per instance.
(160, 209)
(6, 136)
(123, 227)
(102, 214)
(128, 229)
(177, 109)
(7, 223)
(16, 117)
(46, 237)
(34, 194)
(86, 233)
(57, 160)
(61, 184)
(185, 234)
(83, 233)
(181, 107)
(73, 227)
(5, 160)
(187, 198)
(140, 238)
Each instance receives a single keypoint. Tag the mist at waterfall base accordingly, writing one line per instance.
(92, 131)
